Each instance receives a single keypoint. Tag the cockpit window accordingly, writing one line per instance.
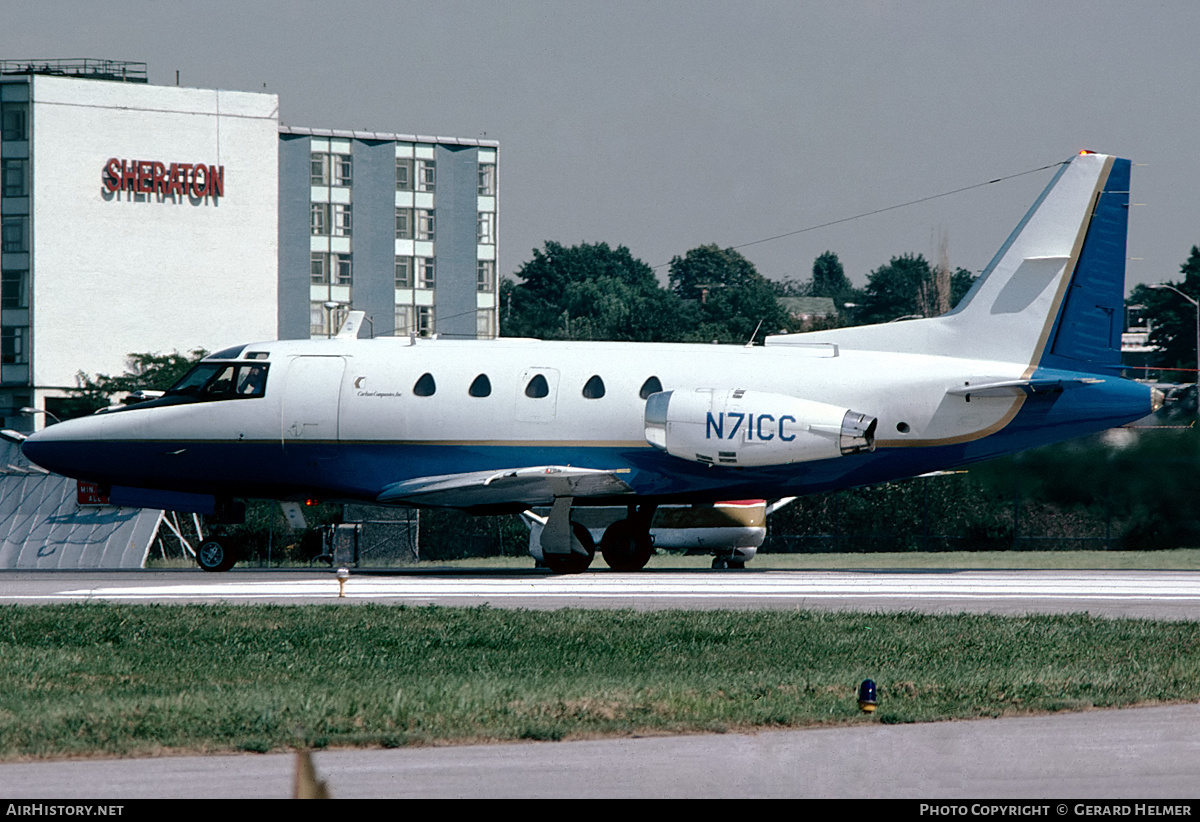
(227, 353)
(211, 381)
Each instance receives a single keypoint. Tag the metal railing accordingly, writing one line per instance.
(96, 69)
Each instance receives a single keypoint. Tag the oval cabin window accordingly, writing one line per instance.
(650, 386)
(537, 387)
(425, 386)
(480, 387)
(594, 388)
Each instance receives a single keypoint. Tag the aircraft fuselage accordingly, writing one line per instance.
(345, 419)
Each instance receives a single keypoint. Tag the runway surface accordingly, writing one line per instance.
(1156, 594)
(1144, 753)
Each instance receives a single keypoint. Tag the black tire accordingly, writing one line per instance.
(626, 547)
(215, 556)
(574, 562)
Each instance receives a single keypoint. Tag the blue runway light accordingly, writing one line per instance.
(867, 700)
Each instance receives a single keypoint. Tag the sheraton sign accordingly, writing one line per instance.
(196, 180)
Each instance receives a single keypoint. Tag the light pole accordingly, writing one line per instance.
(1195, 305)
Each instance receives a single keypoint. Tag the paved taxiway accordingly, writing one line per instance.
(1155, 594)
(1148, 753)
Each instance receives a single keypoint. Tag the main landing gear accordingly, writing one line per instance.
(627, 544)
(568, 547)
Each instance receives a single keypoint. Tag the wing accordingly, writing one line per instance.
(538, 485)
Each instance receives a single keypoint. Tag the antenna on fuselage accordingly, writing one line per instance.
(750, 343)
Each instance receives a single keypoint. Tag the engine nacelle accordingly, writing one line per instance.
(753, 428)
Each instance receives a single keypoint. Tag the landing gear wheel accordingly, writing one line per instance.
(215, 556)
(723, 562)
(626, 547)
(574, 562)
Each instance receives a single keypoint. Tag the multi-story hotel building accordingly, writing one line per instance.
(141, 218)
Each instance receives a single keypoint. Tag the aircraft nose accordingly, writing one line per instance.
(63, 448)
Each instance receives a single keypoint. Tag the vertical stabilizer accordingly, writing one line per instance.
(1052, 296)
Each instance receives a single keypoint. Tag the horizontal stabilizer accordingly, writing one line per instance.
(538, 485)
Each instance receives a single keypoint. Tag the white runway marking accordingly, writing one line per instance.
(1181, 587)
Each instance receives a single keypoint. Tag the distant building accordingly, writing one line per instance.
(400, 226)
(807, 309)
(1136, 350)
(140, 218)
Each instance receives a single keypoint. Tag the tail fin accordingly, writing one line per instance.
(1053, 295)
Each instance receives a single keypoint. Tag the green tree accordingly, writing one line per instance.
(960, 283)
(829, 280)
(589, 292)
(1172, 318)
(731, 297)
(143, 372)
(899, 289)
(909, 286)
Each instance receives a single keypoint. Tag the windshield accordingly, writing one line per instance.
(222, 381)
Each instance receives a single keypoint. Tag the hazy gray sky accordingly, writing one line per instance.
(665, 125)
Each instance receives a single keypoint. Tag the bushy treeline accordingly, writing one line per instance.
(595, 292)
(1129, 491)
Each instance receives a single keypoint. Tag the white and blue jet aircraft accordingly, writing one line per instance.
(1029, 357)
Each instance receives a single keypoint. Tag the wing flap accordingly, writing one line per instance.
(538, 485)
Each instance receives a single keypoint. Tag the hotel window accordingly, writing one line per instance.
(487, 179)
(12, 121)
(425, 224)
(320, 268)
(320, 169)
(316, 318)
(404, 269)
(403, 320)
(404, 224)
(485, 275)
(486, 228)
(483, 325)
(425, 320)
(341, 219)
(12, 346)
(13, 290)
(404, 174)
(342, 270)
(320, 218)
(14, 178)
(426, 269)
(12, 234)
(343, 169)
(426, 175)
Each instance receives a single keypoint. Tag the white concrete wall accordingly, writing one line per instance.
(120, 273)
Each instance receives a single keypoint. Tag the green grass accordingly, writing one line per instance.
(143, 679)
